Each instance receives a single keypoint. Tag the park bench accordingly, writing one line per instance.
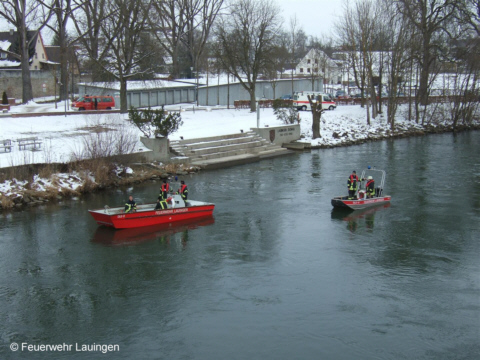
(31, 141)
(6, 145)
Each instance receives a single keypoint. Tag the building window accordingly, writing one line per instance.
(315, 70)
(43, 56)
(36, 56)
(308, 70)
(308, 61)
(316, 61)
(35, 67)
(3, 55)
(301, 70)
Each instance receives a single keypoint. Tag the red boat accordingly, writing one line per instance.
(361, 201)
(146, 215)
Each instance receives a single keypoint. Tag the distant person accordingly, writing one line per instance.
(352, 185)
(131, 205)
(164, 190)
(370, 187)
(183, 191)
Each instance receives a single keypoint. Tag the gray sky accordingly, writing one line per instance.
(316, 17)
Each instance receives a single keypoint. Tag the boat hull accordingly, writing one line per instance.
(145, 216)
(357, 204)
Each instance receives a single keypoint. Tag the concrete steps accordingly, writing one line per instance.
(227, 150)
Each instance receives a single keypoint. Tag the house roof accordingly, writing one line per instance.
(53, 54)
(9, 41)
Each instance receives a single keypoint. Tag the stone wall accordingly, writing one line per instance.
(279, 134)
(43, 83)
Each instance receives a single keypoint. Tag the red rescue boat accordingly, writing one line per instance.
(361, 201)
(146, 215)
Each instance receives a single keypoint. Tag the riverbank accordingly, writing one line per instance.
(63, 168)
(40, 184)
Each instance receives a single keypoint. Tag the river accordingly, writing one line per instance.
(276, 274)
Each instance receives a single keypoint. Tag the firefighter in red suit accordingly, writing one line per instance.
(370, 187)
(183, 191)
(164, 190)
(352, 185)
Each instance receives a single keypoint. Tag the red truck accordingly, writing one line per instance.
(99, 102)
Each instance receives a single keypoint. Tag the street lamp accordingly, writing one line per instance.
(196, 84)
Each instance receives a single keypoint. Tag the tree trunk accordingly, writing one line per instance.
(27, 91)
(317, 111)
(316, 124)
(123, 96)
(253, 104)
(63, 66)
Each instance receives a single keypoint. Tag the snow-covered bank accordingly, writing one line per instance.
(48, 186)
(65, 138)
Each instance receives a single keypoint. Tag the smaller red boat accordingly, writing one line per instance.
(146, 215)
(361, 201)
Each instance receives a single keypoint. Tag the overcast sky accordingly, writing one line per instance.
(316, 17)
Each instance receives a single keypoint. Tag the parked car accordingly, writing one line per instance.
(286, 97)
(94, 103)
(341, 94)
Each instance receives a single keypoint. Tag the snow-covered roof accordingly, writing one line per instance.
(49, 62)
(9, 63)
(4, 45)
(139, 85)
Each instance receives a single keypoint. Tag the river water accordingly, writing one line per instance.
(276, 274)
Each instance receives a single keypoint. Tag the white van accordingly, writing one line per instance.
(300, 100)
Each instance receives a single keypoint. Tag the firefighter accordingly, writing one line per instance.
(352, 185)
(131, 205)
(183, 191)
(164, 190)
(161, 204)
(370, 187)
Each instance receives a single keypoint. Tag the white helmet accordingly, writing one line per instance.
(370, 178)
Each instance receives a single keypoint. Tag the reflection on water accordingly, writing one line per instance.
(112, 237)
(355, 218)
(276, 275)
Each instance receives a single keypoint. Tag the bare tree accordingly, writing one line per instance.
(429, 18)
(167, 22)
(395, 29)
(200, 16)
(358, 34)
(294, 28)
(23, 14)
(62, 11)
(87, 19)
(122, 31)
(247, 37)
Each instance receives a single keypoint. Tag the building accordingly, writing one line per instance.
(317, 64)
(10, 50)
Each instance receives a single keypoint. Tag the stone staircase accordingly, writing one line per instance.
(226, 150)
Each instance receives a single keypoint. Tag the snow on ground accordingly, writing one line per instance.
(64, 137)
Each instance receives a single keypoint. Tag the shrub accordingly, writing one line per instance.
(285, 112)
(4, 98)
(155, 122)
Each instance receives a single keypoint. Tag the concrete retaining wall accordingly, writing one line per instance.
(159, 146)
(279, 134)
